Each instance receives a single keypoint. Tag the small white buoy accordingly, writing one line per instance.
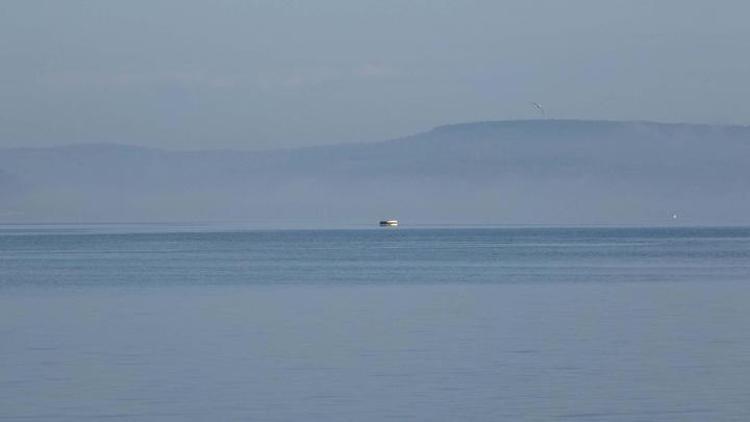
(675, 216)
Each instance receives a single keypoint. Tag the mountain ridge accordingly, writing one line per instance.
(525, 124)
(528, 171)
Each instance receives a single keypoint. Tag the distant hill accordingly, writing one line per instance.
(505, 172)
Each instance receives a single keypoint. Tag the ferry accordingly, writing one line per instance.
(388, 223)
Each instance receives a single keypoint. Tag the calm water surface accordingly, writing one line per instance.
(203, 323)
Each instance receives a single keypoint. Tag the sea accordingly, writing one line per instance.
(190, 322)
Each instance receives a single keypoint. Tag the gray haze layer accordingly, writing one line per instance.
(264, 74)
(521, 172)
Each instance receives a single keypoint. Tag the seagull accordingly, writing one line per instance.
(540, 108)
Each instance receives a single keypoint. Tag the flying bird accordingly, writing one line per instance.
(540, 108)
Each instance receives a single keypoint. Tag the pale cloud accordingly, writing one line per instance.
(315, 76)
(134, 79)
(376, 71)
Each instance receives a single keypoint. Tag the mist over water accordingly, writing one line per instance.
(507, 172)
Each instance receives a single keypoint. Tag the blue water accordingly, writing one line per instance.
(169, 322)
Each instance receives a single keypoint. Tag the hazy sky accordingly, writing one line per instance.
(260, 74)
